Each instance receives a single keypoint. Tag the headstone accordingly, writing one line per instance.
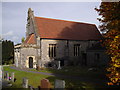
(12, 76)
(31, 87)
(59, 84)
(7, 76)
(25, 83)
(0, 77)
(45, 84)
(3, 75)
(9, 84)
(59, 67)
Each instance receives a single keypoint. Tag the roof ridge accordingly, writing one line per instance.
(65, 20)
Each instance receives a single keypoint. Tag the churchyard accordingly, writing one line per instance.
(68, 77)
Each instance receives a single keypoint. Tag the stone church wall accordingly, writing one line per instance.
(26, 53)
(45, 49)
(17, 58)
(102, 60)
(65, 49)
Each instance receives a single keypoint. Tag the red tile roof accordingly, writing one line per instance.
(61, 29)
(30, 39)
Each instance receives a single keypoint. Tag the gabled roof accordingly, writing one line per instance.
(62, 29)
(30, 39)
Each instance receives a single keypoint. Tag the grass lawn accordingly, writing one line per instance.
(34, 79)
(75, 71)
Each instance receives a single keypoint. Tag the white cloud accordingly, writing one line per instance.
(15, 38)
(10, 33)
(53, 0)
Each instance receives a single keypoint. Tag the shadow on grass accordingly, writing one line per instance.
(71, 84)
(85, 81)
(81, 81)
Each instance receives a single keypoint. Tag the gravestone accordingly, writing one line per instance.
(59, 84)
(25, 83)
(30, 87)
(12, 76)
(45, 84)
(59, 67)
(0, 77)
(7, 76)
(3, 73)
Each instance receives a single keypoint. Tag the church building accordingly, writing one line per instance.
(51, 40)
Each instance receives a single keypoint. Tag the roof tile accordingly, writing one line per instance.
(30, 39)
(62, 29)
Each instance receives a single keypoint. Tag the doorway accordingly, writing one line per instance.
(30, 62)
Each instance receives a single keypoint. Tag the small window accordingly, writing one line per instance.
(76, 49)
(52, 50)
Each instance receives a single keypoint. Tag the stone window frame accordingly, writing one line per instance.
(77, 49)
(52, 50)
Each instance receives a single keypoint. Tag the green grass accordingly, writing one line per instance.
(75, 71)
(34, 79)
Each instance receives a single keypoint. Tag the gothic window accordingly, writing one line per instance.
(76, 49)
(52, 50)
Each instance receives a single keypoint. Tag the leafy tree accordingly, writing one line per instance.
(23, 39)
(7, 52)
(110, 19)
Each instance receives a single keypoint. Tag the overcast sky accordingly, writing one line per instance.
(14, 15)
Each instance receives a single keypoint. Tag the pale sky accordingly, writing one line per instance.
(14, 15)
